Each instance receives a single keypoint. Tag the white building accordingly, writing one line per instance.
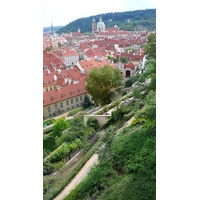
(100, 26)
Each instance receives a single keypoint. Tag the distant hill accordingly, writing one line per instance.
(55, 28)
(130, 21)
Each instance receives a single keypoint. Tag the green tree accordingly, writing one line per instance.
(102, 81)
(59, 127)
(86, 103)
(150, 47)
(123, 59)
(48, 49)
(92, 122)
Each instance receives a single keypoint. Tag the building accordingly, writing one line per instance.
(127, 70)
(53, 37)
(101, 26)
(94, 62)
(93, 26)
(63, 90)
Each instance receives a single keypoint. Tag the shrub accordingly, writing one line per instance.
(124, 93)
(59, 127)
(93, 123)
(47, 167)
(105, 108)
(73, 112)
(138, 121)
(60, 153)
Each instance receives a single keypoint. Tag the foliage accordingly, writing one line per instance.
(130, 81)
(150, 47)
(105, 108)
(51, 194)
(59, 127)
(47, 167)
(124, 93)
(101, 81)
(73, 112)
(59, 164)
(124, 59)
(48, 49)
(49, 122)
(93, 123)
(48, 144)
(60, 153)
(86, 103)
(138, 121)
(139, 19)
(150, 69)
(126, 168)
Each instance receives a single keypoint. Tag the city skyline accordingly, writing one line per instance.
(60, 15)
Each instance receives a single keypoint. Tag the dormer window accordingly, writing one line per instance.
(53, 98)
(71, 92)
(44, 83)
(50, 81)
(63, 94)
(43, 101)
(80, 90)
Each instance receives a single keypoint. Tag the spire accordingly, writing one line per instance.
(100, 19)
(52, 32)
(93, 19)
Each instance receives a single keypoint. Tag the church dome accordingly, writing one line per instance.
(100, 26)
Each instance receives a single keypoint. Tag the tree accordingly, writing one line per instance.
(59, 127)
(150, 47)
(86, 103)
(102, 81)
(92, 122)
(123, 59)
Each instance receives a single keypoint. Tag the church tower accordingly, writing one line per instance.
(53, 37)
(93, 26)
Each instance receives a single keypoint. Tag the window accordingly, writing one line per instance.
(72, 106)
(67, 103)
(76, 99)
(81, 98)
(72, 101)
(77, 105)
(61, 105)
(50, 88)
(54, 87)
(68, 108)
(47, 89)
(49, 109)
(56, 107)
(50, 115)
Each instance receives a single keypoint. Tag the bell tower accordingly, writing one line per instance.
(93, 26)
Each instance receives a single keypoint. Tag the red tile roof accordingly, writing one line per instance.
(55, 96)
(93, 62)
(129, 65)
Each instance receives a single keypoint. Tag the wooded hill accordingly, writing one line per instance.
(129, 21)
(48, 29)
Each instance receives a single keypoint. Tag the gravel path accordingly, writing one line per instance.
(79, 177)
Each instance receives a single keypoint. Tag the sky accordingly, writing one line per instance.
(61, 12)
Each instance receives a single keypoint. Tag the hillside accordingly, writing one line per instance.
(55, 28)
(130, 20)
